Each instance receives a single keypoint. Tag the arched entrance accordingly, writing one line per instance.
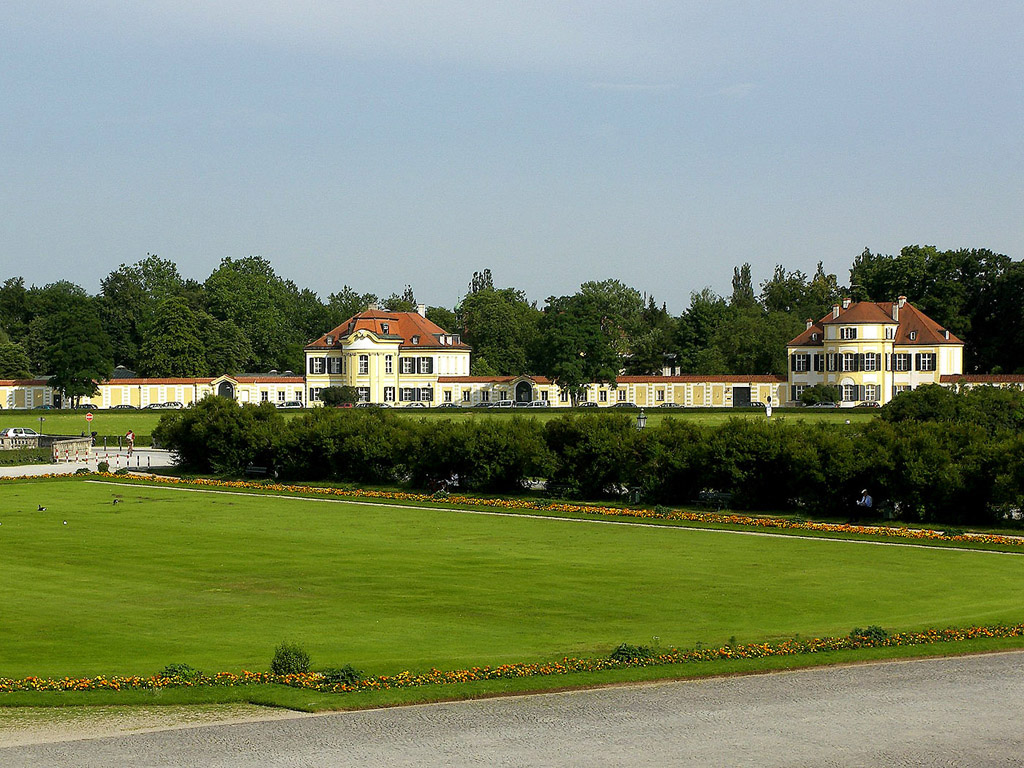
(524, 392)
(226, 389)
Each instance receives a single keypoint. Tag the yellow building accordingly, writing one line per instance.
(394, 358)
(872, 351)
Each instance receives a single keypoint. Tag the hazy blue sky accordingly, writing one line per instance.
(379, 144)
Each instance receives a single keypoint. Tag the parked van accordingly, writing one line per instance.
(503, 404)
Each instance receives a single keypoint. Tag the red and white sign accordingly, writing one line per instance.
(88, 417)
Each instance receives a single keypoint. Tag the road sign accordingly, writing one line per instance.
(88, 417)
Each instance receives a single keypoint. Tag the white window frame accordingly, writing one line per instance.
(318, 366)
(389, 364)
(848, 332)
(363, 394)
(364, 365)
(929, 361)
(407, 365)
(849, 392)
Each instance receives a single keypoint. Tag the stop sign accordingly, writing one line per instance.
(88, 417)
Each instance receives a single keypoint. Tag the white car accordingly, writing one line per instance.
(19, 432)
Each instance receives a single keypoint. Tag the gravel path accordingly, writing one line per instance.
(943, 712)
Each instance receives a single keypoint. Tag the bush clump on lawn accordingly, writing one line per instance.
(627, 652)
(289, 659)
(347, 675)
(874, 634)
(181, 672)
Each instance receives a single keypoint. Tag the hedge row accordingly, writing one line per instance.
(959, 471)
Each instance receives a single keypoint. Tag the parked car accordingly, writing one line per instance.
(83, 407)
(298, 404)
(124, 407)
(624, 405)
(173, 405)
(868, 404)
(539, 404)
(669, 405)
(18, 432)
(824, 405)
(416, 405)
(586, 404)
(482, 404)
(522, 404)
(756, 404)
(154, 407)
(448, 405)
(503, 404)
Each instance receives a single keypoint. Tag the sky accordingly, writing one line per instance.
(382, 144)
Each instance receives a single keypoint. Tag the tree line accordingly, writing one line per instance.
(932, 456)
(245, 317)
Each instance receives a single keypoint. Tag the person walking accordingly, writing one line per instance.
(130, 439)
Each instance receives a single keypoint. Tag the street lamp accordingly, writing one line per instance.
(41, 420)
(641, 419)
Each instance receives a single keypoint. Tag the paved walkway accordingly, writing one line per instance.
(944, 712)
(141, 458)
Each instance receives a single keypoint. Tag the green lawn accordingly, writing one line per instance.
(217, 580)
(118, 422)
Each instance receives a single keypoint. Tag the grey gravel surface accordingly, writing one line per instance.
(946, 712)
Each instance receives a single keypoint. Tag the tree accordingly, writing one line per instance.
(696, 330)
(404, 303)
(14, 310)
(227, 349)
(501, 326)
(820, 393)
(78, 351)
(580, 343)
(14, 363)
(346, 303)
(443, 317)
(481, 281)
(172, 345)
(332, 397)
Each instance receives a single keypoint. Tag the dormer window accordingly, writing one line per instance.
(890, 333)
(383, 327)
(329, 340)
(814, 337)
(415, 339)
(913, 335)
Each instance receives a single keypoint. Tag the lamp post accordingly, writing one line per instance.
(41, 420)
(641, 419)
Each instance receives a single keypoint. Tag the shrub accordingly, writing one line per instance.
(347, 675)
(627, 652)
(181, 671)
(103, 466)
(873, 634)
(289, 659)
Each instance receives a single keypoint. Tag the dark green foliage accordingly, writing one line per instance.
(14, 362)
(593, 454)
(874, 634)
(820, 393)
(627, 652)
(21, 456)
(335, 396)
(217, 435)
(181, 671)
(289, 659)
(347, 675)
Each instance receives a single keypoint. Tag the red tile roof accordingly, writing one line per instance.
(911, 319)
(402, 326)
(681, 379)
(982, 378)
(491, 379)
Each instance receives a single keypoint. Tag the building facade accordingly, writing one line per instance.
(872, 351)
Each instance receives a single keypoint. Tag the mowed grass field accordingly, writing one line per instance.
(217, 581)
(111, 422)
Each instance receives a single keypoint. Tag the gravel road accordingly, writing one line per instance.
(943, 712)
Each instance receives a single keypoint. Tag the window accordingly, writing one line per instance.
(363, 394)
(264, 396)
(563, 396)
(425, 364)
(383, 327)
(603, 396)
(871, 361)
(314, 394)
(849, 361)
(798, 390)
(870, 392)
(801, 363)
(408, 364)
(389, 394)
(426, 394)
(389, 363)
(819, 362)
(364, 365)
(485, 396)
(659, 395)
(622, 395)
(406, 394)
(544, 395)
(334, 365)
(848, 333)
(298, 395)
(316, 365)
(890, 333)
(849, 392)
(902, 361)
(913, 335)
(280, 396)
(466, 395)
(926, 361)
(447, 395)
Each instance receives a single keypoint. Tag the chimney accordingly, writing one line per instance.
(846, 303)
(945, 334)
(895, 311)
(902, 300)
(371, 307)
(810, 323)
(835, 311)
(421, 309)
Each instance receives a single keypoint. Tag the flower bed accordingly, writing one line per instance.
(317, 681)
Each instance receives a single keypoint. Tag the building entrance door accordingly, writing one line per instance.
(524, 392)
